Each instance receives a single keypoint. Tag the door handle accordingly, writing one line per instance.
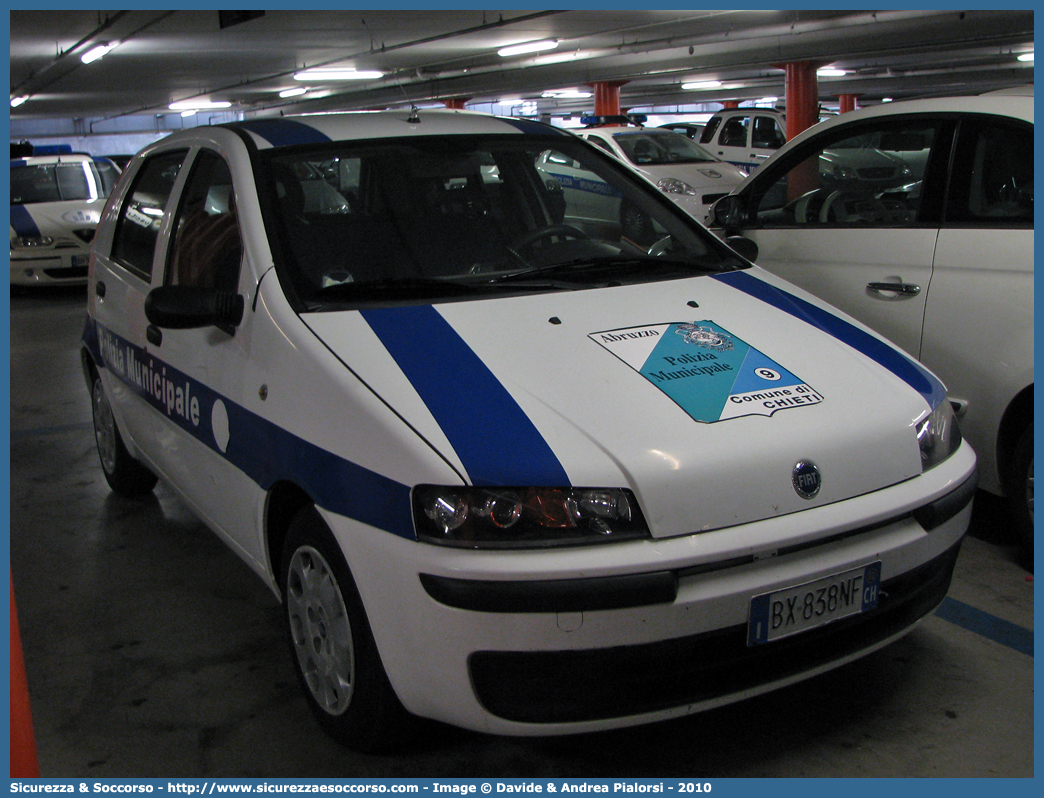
(99, 289)
(153, 335)
(906, 289)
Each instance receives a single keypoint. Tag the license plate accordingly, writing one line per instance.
(802, 607)
(80, 260)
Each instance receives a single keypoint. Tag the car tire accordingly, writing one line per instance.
(1021, 491)
(636, 225)
(331, 645)
(125, 475)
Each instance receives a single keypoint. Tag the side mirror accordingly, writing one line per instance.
(743, 247)
(183, 307)
(729, 213)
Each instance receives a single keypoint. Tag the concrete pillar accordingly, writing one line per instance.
(607, 97)
(802, 89)
(848, 102)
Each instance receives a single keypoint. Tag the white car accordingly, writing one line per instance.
(56, 201)
(937, 255)
(745, 137)
(504, 468)
(678, 166)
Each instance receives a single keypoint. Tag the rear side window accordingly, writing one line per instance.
(134, 241)
(207, 245)
(992, 178)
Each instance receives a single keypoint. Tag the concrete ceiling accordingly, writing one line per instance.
(429, 56)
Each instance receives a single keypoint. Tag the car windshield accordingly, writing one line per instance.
(650, 148)
(459, 217)
(54, 182)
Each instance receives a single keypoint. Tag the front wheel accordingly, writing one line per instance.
(333, 649)
(1021, 490)
(124, 474)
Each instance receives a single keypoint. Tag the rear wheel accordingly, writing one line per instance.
(333, 649)
(124, 474)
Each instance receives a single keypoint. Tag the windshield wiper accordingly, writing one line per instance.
(599, 265)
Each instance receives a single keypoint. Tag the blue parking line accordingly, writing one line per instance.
(986, 625)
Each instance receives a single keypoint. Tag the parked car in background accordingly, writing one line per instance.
(503, 467)
(693, 130)
(679, 167)
(56, 201)
(745, 137)
(936, 255)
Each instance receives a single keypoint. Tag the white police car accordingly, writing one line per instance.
(677, 165)
(56, 201)
(504, 468)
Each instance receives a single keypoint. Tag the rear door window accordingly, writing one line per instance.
(992, 183)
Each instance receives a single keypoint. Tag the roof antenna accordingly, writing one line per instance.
(414, 117)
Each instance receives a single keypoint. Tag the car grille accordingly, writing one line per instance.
(573, 686)
(66, 273)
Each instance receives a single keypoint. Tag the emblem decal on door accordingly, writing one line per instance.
(707, 371)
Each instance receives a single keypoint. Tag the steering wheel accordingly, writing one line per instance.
(835, 204)
(530, 238)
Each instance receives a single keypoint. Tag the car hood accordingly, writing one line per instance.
(54, 218)
(701, 395)
(714, 176)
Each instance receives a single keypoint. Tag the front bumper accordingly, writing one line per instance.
(551, 642)
(66, 266)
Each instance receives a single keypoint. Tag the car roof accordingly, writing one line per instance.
(269, 132)
(65, 157)
(1015, 106)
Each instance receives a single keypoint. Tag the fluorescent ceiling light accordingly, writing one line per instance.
(701, 84)
(566, 94)
(16, 101)
(340, 73)
(831, 72)
(295, 92)
(190, 112)
(1026, 57)
(198, 105)
(528, 47)
(97, 52)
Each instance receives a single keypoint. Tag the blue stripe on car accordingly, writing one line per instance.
(23, 223)
(264, 451)
(493, 437)
(909, 371)
(283, 132)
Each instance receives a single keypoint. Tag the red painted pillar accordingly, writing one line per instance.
(456, 103)
(730, 104)
(802, 89)
(802, 96)
(607, 97)
(848, 102)
(23, 744)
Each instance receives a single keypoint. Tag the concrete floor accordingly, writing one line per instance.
(151, 651)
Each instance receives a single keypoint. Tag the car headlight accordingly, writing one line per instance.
(526, 517)
(25, 242)
(672, 185)
(845, 173)
(938, 436)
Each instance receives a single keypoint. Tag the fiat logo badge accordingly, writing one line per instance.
(807, 479)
